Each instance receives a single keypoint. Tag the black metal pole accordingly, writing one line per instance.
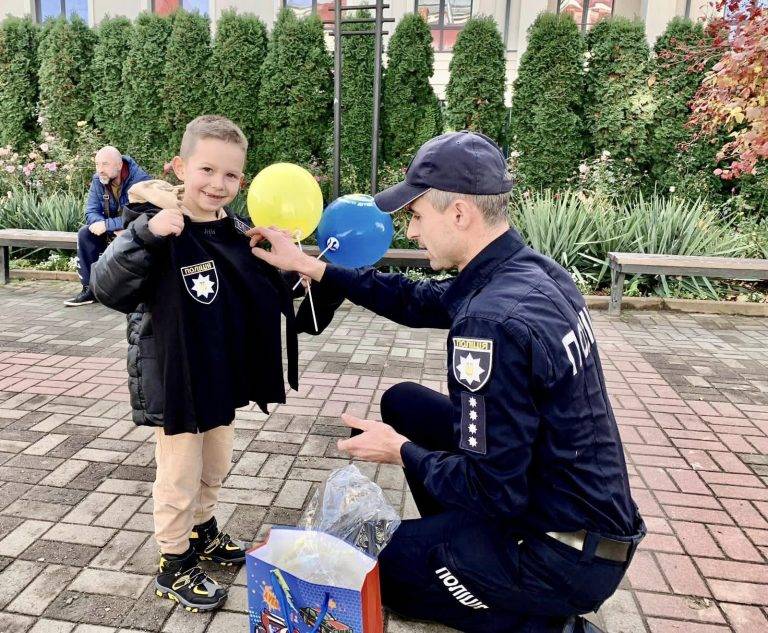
(337, 100)
(376, 97)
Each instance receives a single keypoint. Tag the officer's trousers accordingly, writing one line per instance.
(470, 572)
(89, 249)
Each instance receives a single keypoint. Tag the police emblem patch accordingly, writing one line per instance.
(472, 423)
(201, 281)
(472, 361)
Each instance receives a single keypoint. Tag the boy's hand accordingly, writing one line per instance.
(285, 254)
(167, 222)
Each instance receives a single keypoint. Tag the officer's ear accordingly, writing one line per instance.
(464, 213)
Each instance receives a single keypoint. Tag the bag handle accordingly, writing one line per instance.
(283, 600)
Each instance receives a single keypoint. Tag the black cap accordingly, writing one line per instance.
(462, 162)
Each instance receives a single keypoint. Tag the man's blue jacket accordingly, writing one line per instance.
(101, 205)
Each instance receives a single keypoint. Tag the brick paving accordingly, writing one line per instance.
(76, 553)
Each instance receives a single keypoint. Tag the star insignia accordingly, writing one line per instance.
(202, 286)
(472, 402)
(473, 416)
(472, 428)
(469, 369)
(472, 442)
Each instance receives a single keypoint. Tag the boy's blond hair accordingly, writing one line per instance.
(211, 126)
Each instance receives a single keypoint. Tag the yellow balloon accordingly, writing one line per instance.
(286, 196)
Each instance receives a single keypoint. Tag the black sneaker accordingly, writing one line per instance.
(210, 544)
(182, 581)
(83, 298)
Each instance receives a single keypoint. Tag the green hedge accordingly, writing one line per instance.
(475, 91)
(618, 106)
(18, 81)
(235, 70)
(547, 122)
(186, 91)
(113, 35)
(66, 84)
(410, 111)
(143, 108)
(296, 96)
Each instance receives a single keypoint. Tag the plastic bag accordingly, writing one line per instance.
(353, 508)
(350, 507)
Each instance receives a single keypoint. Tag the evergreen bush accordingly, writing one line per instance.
(18, 81)
(65, 76)
(107, 71)
(410, 112)
(547, 127)
(145, 136)
(296, 95)
(475, 91)
(618, 108)
(235, 70)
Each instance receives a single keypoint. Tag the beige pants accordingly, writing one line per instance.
(190, 470)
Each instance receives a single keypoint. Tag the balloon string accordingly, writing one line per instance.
(308, 292)
(323, 252)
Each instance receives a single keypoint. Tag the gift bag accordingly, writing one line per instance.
(306, 581)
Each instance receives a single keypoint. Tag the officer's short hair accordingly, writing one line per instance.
(211, 126)
(494, 206)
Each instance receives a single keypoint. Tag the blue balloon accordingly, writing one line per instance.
(358, 232)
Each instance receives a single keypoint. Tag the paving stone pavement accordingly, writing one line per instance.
(76, 554)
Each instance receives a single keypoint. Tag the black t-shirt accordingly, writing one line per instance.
(216, 311)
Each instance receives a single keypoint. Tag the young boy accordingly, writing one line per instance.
(204, 333)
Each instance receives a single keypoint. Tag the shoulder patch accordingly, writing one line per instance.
(472, 361)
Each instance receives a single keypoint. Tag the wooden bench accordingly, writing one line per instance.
(680, 265)
(31, 239)
(400, 257)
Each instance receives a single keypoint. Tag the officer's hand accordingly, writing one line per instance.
(284, 254)
(167, 222)
(378, 442)
(98, 228)
(257, 234)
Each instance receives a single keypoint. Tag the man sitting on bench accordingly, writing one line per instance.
(115, 174)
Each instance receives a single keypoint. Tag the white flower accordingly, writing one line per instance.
(588, 54)
(514, 154)
(605, 154)
(44, 147)
(81, 124)
(583, 168)
(672, 189)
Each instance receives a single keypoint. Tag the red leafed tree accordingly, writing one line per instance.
(734, 95)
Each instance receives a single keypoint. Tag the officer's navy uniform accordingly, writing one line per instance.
(518, 473)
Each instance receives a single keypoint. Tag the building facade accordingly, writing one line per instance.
(445, 17)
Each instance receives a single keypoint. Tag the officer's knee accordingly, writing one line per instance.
(395, 400)
(83, 233)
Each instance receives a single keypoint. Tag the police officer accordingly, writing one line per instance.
(518, 474)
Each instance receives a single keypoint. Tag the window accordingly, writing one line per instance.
(587, 13)
(303, 8)
(57, 8)
(165, 7)
(445, 19)
(744, 5)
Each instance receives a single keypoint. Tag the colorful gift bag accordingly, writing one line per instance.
(303, 581)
